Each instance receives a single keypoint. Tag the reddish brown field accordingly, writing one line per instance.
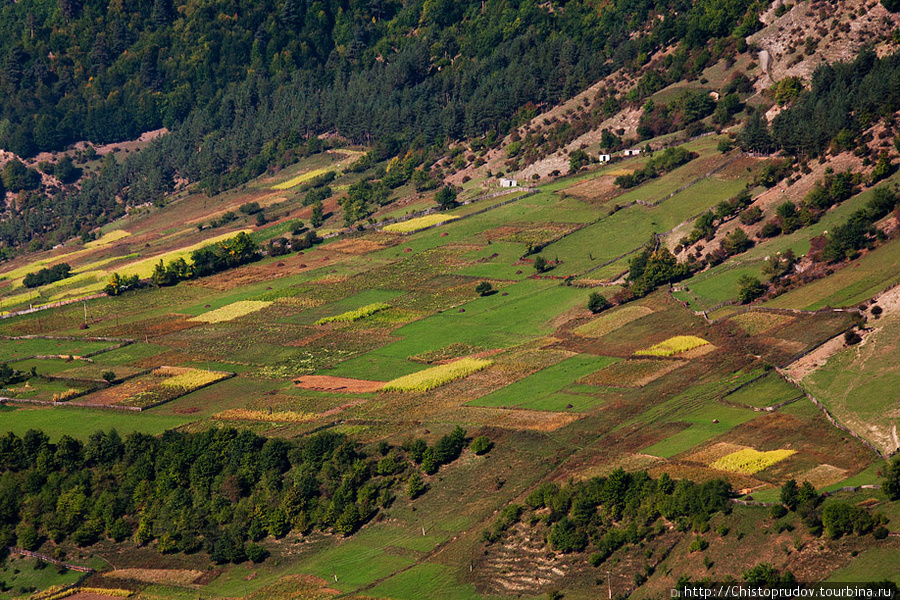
(327, 383)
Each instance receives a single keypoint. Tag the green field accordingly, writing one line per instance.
(426, 580)
(875, 564)
(494, 321)
(696, 410)
(13, 349)
(859, 385)
(23, 574)
(82, 422)
(544, 389)
(768, 391)
(857, 281)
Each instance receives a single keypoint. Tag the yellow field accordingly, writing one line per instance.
(108, 238)
(246, 414)
(750, 461)
(436, 376)
(419, 223)
(674, 345)
(144, 268)
(304, 177)
(93, 277)
(187, 378)
(99, 263)
(231, 311)
(37, 265)
(355, 315)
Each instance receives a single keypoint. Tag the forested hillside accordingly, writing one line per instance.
(242, 85)
(76, 70)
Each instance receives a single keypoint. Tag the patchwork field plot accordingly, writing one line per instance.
(429, 379)
(858, 385)
(699, 413)
(154, 388)
(614, 319)
(631, 373)
(674, 345)
(850, 285)
(355, 315)
(544, 390)
(19, 348)
(419, 223)
(749, 461)
(719, 284)
(755, 322)
(278, 416)
(447, 353)
(380, 335)
(231, 312)
(771, 390)
(57, 422)
(494, 321)
(108, 238)
(327, 383)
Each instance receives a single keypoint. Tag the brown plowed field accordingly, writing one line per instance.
(327, 383)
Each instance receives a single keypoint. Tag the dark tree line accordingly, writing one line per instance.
(843, 100)
(220, 491)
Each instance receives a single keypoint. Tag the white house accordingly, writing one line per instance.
(632, 152)
(603, 158)
(508, 183)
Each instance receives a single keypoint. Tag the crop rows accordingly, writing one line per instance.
(750, 461)
(673, 346)
(419, 223)
(355, 315)
(232, 311)
(429, 379)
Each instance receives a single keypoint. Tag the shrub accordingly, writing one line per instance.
(851, 338)
(749, 289)
(256, 553)
(751, 215)
(698, 545)
(415, 487)
(47, 275)
(891, 484)
(250, 208)
(484, 288)
(597, 302)
(566, 537)
(481, 445)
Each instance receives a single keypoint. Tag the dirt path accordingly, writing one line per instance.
(801, 368)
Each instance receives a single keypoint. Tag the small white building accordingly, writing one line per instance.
(508, 183)
(632, 152)
(604, 158)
